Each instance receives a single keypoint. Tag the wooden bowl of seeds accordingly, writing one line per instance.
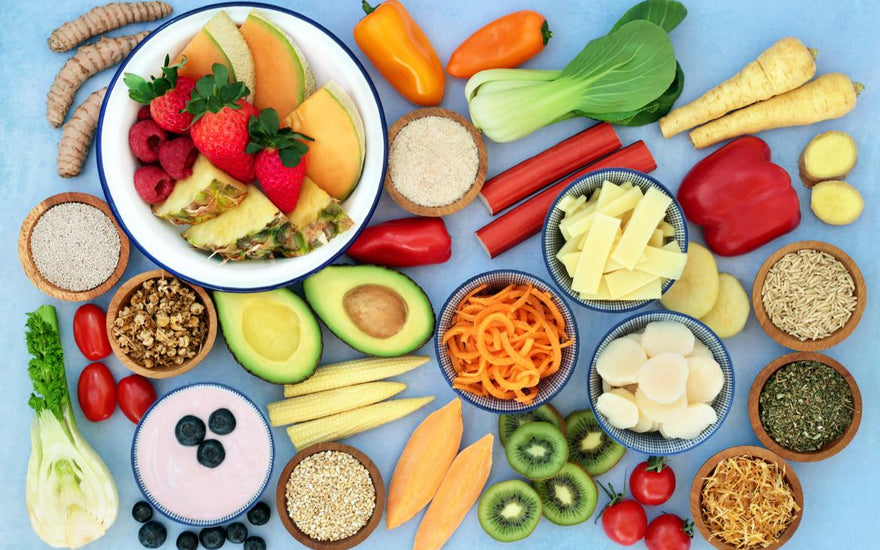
(330, 496)
(71, 247)
(161, 326)
(805, 406)
(437, 162)
(809, 295)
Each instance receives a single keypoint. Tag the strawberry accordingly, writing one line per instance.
(281, 162)
(166, 95)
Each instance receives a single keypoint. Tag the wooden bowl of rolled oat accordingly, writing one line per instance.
(160, 326)
(330, 496)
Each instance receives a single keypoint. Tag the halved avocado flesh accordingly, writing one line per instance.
(273, 335)
(375, 310)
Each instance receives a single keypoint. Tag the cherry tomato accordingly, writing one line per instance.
(96, 391)
(135, 394)
(90, 332)
(669, 532)
(624, 520)
(652, 482)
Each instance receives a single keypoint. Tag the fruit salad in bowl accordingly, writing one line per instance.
(242, 147)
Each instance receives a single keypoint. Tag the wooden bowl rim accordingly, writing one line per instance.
(744, 450)
(343, 544)
(479, 178)
(783, 337)
(123, 293)
(27, 259)
(831, 448)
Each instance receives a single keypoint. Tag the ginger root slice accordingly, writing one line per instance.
(76, 137)
(828, 156)
(87, 62)
(105, 18)
(836, 202)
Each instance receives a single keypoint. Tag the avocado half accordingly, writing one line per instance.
(273, 335)
(375, 310)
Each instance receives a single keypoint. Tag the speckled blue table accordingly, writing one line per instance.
(712, 43)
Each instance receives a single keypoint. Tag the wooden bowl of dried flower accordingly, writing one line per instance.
(708, 469)
(351, 541)
(122, 298)
(829, 449)
(454, 204)
(824, 338)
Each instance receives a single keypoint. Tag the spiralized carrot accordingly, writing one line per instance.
(503, 344)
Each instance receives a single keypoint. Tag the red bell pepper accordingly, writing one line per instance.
(740, 198)
(403, 243)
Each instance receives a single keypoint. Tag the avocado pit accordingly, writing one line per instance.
(377, 310)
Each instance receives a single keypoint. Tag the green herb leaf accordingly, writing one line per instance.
(665, 13)
(46, 367)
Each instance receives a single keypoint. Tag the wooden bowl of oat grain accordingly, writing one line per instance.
(186, 317)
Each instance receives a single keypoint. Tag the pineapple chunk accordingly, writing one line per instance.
(315, 221)
(206, 194)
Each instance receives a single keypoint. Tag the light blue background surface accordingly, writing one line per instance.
(715, 40)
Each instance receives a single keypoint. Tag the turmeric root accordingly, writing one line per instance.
(88, 61)
(830, 96)
(76, 137)
(828, 156)
(784, 66)
(105, 18)
(836, 202)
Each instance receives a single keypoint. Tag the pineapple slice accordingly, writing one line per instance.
(315, 221)
(248, 231)
(206, 194)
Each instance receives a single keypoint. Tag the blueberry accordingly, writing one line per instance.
(212, 537)
(141, 512)
(152, 534)
(190, 430)
(236, 532)
(221, 421)
(255, 543)
(210, 453)
(187, 541)
(259, 514)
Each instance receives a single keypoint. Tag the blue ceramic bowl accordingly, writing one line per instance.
(552, 240)
(653, 443)
(495, 281)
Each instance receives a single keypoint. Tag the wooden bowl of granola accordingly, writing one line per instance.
(160, 326)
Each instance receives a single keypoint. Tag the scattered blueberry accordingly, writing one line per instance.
(221, 421)
(141, 512)
(255, 543)
(212, 537)
(190, 430)
(236, 532)
(187, 541)
(152, 534)
(211, 453)
(259, 514)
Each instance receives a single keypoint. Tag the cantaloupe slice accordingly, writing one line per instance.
(284, 78)
(336, 157)
(219, 41)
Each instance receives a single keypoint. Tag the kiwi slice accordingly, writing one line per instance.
(509, 511)
(569, 497)
(508, 423)
(537, 450)
(589, 446)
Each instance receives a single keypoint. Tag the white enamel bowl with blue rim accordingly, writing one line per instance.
(552, 240)
(495, 281)
(653, 443)
(158, 239)
(155, 440)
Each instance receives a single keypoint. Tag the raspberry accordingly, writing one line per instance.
(177, 156)
(144, 139)
(144, 113)
(153, 184)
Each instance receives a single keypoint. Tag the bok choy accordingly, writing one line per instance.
(71, 496)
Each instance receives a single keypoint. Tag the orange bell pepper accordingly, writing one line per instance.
(505, 43)
(399, 49)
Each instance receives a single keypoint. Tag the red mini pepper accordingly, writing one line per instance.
(403, 243)
(740, 198)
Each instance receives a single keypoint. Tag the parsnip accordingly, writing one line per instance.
(828, 156)
(836, 202)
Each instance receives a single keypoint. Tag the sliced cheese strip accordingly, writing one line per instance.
(597, 246)
(662, 263)
(667, 229)
(603, 294)
(657, 239)
(565, 202)
(570, 262)
(612, 265)
(651, 291)
(648, 214)
(626, 186)
(576, 205)
(608, 193)
(672, 246)
(577, 219)
(615, 209)
(567, 246)
(625, 281)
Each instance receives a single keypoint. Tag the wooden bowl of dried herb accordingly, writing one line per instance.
(805, 406)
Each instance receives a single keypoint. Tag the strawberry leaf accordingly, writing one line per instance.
(289, 157)
(144, 91)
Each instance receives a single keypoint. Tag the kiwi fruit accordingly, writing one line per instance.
(569, 497)
(508, 423)
(537, 450)
(509, 511)
(589, 446)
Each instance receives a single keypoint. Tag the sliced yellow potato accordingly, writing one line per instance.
(659, 412)
(663, 378)
(705, 379)
(644, 423)
(836, 202)
(667, 336)
(619, 411)
(620, 361)
(695, 292)
(731, 310)
(690, 423)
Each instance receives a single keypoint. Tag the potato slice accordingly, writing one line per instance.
(663, 378)
(619, 411)
(695, 292)
(705, 379)
(701, 350)
(731, 310)
(828, 156)
(667, 336)
(659, 412)
(836, 202)
(690, 423)
(644, 424)
(620, 361)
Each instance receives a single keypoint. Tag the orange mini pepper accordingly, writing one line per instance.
(505, 43)
(399, 49)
